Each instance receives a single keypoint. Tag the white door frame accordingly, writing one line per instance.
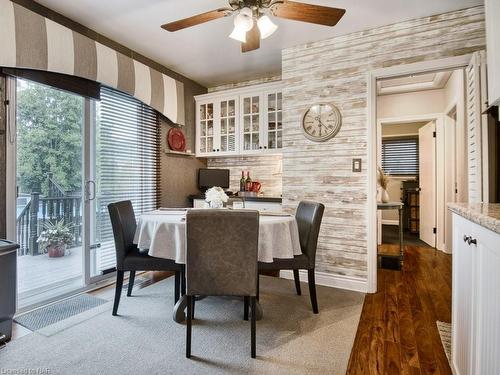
(11, 173)
(438, 118)
(456, 62)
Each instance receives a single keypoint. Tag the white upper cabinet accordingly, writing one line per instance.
(240, 121)
(205, 128)
(227, 120)
(251, 118)
(216, 126)
(492, 9)
(273, 120)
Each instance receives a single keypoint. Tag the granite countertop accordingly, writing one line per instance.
(484, 214)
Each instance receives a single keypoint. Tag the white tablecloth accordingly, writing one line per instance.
(164, 234)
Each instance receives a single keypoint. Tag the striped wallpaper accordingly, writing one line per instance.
(28, 40)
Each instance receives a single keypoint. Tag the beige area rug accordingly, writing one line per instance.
(144, 339)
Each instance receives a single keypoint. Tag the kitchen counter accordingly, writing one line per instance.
(249, 199)
(485, 214)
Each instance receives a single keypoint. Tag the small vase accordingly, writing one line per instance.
(384, 196)
(216, 204)
(56, 250)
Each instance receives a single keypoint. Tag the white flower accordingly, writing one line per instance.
(215, 193)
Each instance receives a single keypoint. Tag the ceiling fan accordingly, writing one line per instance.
(253, 23)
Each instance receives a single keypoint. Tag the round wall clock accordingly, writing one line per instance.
(321, 122)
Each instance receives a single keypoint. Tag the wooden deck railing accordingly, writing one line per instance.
(40, 210)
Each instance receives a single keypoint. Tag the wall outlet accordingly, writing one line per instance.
(356, 165)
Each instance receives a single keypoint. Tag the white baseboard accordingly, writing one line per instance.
(390, 222)
(334, 281)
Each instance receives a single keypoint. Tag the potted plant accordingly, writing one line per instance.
(216, 197)
(55, 237)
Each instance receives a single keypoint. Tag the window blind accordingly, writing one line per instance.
(127, 162)
(400, 156)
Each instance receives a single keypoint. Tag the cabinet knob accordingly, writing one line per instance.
(466, 238)
(265, 147)
(472, 241)
(260, 147)
(218, 150)
(213, 150)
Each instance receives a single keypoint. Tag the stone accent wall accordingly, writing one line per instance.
(265, 169)
(334, 70)
(235, 85)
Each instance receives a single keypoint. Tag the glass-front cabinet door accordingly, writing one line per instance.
(274, 121)
(227, 130)
(251, 112)
(206, 128)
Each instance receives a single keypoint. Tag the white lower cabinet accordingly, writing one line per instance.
(263, 206)
(476, 299)
(252, 205)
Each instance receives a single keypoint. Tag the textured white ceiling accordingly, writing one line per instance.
(205, 54)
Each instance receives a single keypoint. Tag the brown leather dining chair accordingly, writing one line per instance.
(308, 216)
(129, 257)
(221, 260)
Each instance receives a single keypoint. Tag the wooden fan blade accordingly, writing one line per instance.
(253, 39)
(317, 14)
(196, 20)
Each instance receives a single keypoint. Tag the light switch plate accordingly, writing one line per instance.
(356, 165)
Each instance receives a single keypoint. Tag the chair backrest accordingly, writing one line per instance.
(309, 216)
(124, 225)
(221, 256)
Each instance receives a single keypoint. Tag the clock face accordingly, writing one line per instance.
(321, 122)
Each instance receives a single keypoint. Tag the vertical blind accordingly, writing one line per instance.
(400, 156)
(127, 165)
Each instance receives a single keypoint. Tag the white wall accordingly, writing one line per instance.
(411, 104)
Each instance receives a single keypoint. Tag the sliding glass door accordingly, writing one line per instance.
(124, 167)
(73, 156)
(49, 190)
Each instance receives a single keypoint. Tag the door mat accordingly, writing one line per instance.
(51, 314)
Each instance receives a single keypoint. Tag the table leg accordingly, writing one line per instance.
(401, 235)
(180, 306)
(179, 316)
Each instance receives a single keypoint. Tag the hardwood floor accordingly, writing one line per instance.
(397, 332)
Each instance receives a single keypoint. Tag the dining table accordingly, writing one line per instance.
(162, 233)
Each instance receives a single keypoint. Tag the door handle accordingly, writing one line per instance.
(89, 196)
(472, 241)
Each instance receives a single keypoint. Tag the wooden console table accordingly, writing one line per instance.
(399, 256)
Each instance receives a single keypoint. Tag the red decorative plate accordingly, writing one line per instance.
(176, 140)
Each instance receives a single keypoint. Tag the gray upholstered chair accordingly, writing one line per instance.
(129, 257)
(308, 216)
(221, 259)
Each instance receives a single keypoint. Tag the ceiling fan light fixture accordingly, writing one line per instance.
(239, 33)
(266, 26)
(244, 19)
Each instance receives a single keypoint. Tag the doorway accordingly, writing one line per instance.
(50, 190)
(419, 128)
(474, 72)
